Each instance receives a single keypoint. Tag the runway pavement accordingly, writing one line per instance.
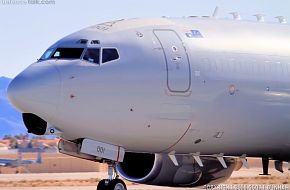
(253, 172)
(68, 176)
(52, 176)
(138, 187)
(249, 174)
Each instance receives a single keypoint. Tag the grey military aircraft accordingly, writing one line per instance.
(179, 102)
(15, 163)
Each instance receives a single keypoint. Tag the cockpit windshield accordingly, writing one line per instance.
(67, 53)
(46, 54)
(92, 55)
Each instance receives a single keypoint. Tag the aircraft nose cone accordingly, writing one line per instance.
(36, 90)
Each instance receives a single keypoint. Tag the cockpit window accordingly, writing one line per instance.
(92, 55)
(109, 54)
(67, 53)
(46, 54)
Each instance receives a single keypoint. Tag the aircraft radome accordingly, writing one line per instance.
(167, 102)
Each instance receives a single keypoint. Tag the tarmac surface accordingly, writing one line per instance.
(132, 187)
(248, 174)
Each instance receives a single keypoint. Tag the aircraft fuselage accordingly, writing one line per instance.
(183, 85)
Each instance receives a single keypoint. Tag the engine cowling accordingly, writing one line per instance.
(158, 169)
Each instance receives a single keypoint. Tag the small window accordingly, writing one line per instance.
(46, 54)
(82, 41)
(92, 55)
(109, 54)
(95, 42)
(67, 53)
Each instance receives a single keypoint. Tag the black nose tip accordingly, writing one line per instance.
(34, 124)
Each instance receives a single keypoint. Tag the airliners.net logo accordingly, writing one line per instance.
(28, 2)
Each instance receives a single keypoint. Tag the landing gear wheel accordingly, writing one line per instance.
(111, 183)
(117, 184)
(103, 185)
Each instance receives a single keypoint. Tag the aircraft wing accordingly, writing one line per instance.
(5, 162)
(27, 162)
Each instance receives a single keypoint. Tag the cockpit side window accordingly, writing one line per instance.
(109, 54)
(46, 54)
(67, 53)
(92, 55)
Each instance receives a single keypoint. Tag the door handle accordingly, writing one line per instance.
(177, 58)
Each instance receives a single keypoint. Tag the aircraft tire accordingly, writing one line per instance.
(102, 185)
(117, 184)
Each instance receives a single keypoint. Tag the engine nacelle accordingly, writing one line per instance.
(159, 170)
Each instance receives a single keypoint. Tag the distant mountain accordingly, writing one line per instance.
(10, 119)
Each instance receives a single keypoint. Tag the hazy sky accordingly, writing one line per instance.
(28, 29)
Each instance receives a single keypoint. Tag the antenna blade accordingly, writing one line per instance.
(260, 17)
(236, 15)
(282, 19)
(216, 12)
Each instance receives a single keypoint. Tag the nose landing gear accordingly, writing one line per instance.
(115, 184)
(112, 183)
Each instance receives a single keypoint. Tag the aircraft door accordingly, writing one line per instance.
(177, 61)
